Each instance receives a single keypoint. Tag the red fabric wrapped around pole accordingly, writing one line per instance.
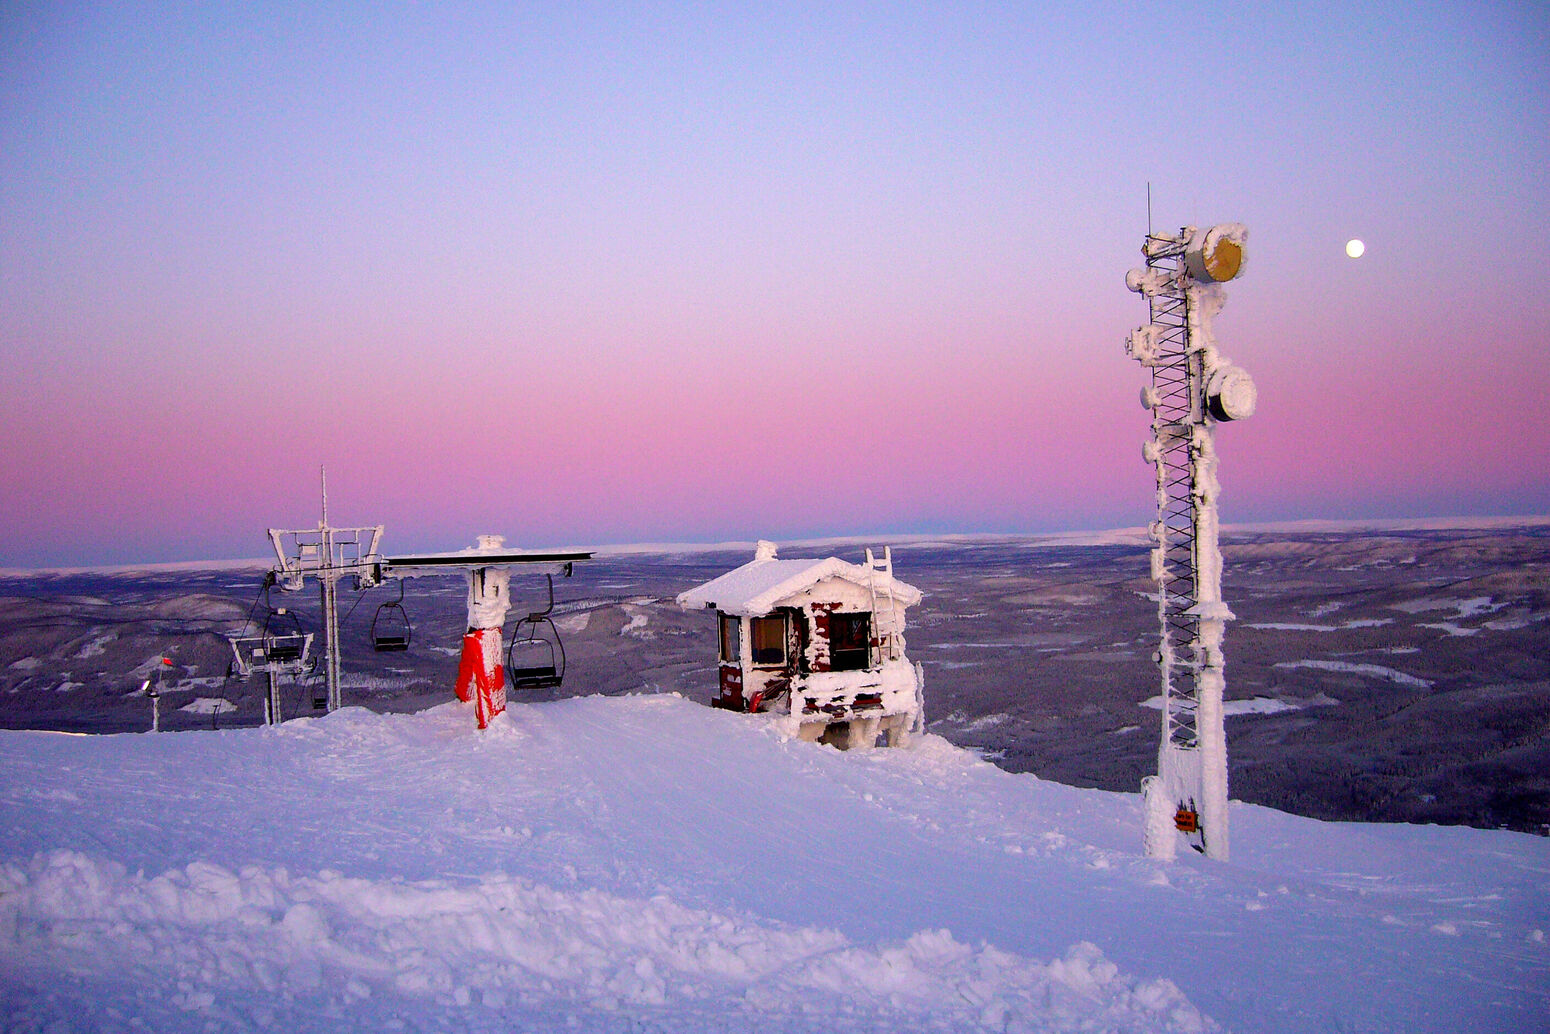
(480, 677)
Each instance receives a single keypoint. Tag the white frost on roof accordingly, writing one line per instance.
(758, 586)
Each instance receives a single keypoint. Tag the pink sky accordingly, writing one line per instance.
(597, 278)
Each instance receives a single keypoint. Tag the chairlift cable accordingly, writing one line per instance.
(357, 603)
(262, 595)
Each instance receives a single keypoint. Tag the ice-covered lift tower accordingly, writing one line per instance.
(330, 554)
(1193, 387)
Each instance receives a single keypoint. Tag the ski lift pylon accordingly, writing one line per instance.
(536, 657)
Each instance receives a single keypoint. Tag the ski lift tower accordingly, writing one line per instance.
(1193, 388)
(331, 555)
(487, 566)
(328, 554)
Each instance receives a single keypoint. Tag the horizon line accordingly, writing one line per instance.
(1133, 535)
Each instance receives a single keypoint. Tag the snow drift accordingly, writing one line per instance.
(600, 865)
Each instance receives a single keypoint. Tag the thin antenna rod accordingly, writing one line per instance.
(325, 495)
(1148, 208)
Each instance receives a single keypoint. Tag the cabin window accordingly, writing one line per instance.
(768, 637)
(730, 640)
(850, 645)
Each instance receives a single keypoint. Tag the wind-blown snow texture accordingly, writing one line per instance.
(648, 864)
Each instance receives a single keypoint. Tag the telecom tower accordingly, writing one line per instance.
(1193, 388)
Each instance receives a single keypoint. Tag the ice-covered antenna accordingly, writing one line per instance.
(1193, 388)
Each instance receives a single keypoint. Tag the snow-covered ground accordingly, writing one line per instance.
(1253, 705)
(1376, 671)
(648, 864)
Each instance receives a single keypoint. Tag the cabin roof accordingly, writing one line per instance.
(759, 586)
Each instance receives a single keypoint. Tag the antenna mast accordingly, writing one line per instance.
(1193, 388)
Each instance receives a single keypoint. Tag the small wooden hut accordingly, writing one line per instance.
(819, 640)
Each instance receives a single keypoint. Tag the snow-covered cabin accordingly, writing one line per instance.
(819, 640)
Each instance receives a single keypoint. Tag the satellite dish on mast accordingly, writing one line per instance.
(1215, 255)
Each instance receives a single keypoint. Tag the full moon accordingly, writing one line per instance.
(1354, 248)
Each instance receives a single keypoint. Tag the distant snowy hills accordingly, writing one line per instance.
(645, 863)
(1384, 675)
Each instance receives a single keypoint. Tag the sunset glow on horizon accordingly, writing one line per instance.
(665, 274)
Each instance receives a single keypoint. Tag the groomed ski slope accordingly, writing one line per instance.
(649, 864)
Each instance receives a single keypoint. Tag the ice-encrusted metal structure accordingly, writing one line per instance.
(330, 555)
(1192, 389)
(820, 641)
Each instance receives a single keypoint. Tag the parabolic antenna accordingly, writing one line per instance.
(1216, 255)
(1230, 394)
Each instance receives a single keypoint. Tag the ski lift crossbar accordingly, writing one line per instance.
(403, 565)
(323, 551)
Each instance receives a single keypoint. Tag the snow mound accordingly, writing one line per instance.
(502, 949)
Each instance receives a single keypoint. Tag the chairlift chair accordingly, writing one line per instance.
(536, 657)
(283, 653)
(284, 642)
(390, 628)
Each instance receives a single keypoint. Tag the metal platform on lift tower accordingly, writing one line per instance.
(477, 558)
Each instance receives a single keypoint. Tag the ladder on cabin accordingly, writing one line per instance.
(886, 633)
